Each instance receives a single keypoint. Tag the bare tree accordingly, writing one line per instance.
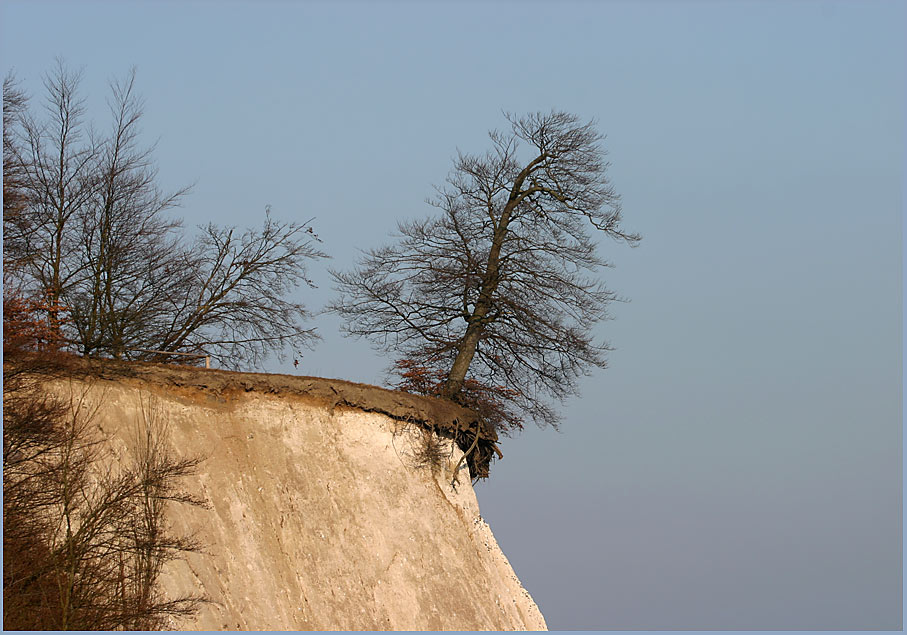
(97, 240)
(56, 156)
(124, 238)
(499, 288)
(232, 300)
(14, 204)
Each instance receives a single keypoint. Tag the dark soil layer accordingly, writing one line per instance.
(446, 418)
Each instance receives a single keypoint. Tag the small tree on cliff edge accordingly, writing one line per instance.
(498, 291)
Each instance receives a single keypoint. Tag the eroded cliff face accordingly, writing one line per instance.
(317, 517)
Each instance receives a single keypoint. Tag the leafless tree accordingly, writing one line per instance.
(499, 288)
(56, 155)
(98, 241)
(124, 238)
(14, 204)
(232, 300)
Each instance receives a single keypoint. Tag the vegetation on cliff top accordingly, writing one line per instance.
(490, 304)
(87, 230)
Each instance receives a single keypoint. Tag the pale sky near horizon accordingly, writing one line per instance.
(739, 464)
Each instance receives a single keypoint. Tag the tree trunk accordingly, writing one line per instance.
(465, 352)
(466, 349)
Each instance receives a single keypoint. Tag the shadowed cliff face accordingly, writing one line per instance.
(318, 518)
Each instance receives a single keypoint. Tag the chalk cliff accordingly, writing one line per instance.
(318, 517)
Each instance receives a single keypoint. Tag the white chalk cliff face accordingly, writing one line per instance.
(317, 517)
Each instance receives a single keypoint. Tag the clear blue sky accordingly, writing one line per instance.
(738, 466)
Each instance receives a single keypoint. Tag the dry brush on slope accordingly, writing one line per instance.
(84, 540)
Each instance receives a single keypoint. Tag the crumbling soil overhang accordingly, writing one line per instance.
(441, 416)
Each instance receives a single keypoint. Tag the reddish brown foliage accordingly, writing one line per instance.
(31, 324)
(489, 402)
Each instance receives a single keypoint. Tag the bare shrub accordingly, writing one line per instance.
(85, 539)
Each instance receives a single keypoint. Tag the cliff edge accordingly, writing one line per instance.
(318, 516)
